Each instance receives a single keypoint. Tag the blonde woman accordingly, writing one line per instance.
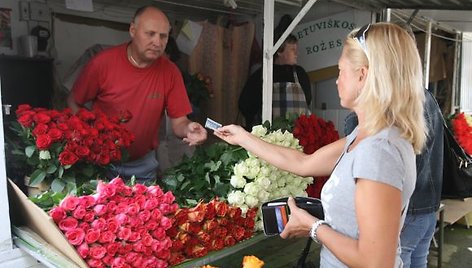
(373, 169)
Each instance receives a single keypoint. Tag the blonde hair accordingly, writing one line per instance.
(393, 94)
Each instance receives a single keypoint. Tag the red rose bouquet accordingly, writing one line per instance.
(119, 226)
(462, 127)
(65, 149)
(207, 227)
(313, 133)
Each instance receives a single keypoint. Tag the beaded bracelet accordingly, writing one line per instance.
(314, 228)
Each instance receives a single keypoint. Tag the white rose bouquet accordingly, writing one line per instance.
(255, 181)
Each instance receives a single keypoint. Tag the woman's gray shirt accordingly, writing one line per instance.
(385, 157)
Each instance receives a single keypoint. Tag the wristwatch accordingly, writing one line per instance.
(315, 227)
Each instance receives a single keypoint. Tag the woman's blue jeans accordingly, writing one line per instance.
(415, 239)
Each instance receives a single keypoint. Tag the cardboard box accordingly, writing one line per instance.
(23, 212)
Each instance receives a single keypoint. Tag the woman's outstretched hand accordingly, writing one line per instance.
(232, 134)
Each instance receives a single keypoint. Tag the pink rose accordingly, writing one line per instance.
(112, 225)
(99, 224)
(156, 215)
(84, 226)
(111, 206)
(83, 250)
(79, 212)
(168, 198)
(138, 247)
(108, 260)
(95, 263)
(126, 191)
(57, 214)
(135, 236)
(112, 248)
(140, 200)
(89, 216)
(151, 225)
(125, 249)
(92, 236)
(166, 223)
(131, 257)
(164, 208)
(122, 219)
(132, 209)
(75, 236)
(150, 204)
(139, 189)
(144, 215)
(147, 240)
(119, 262)
(163, 255)
(100, 209)
(106, 190)
(106, 237)
(69, 203)
(135, 222)
(124, 233)
(159, 233)
(155, 190)
(68, 223)
(97, 252)
(87, 201)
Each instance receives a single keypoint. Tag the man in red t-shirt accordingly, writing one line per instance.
(134, 77)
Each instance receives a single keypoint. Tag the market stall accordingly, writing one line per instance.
(222, 171)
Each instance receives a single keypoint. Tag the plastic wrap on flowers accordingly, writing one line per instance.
(119, 226)
(255, 181)
(207, 227)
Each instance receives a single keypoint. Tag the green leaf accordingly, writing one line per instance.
(60, 172)
(88, 171)
(57, 185)
(29, 151)
(37, 177)
(51, 169)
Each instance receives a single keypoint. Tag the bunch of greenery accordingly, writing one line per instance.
(205, 175)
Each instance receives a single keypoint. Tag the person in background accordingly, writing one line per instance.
(291, 88)
(135, 77)
(372, 170)
(420, 221)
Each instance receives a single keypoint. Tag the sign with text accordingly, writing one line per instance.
(320, 42)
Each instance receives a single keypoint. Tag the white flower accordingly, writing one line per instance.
(252, 188)
(237, 181)
(44, 155)
(259, 130)
(263, 196)
(236, 198)
(244, 209)
(240, 169)
(264, 183)
(251, 201)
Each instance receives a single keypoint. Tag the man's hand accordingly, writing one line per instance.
(196, 134)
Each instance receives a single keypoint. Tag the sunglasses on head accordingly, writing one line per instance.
(361, 36)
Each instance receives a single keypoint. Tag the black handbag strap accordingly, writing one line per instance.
(301, 263)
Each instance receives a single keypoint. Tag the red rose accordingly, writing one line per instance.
(97, 252)
(23, 108)
(43, 142)
(67, 158)
(92, 236)
(40, 129)
(26, 120)
(75, 236)
(68, 223)
(41, 118)
(55, 134)
(82, 151)
(57, 214)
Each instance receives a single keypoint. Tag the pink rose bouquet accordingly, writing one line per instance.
(120, 225)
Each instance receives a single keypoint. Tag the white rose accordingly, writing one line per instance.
(240, 169)
(236, 198)
(251, 188)
(263, 196)
(259, 130)
(251, 201)
(264, 183)
(44, 155)
(237, 181)
(244, 208)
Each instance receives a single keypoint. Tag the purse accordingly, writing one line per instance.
(457, 169)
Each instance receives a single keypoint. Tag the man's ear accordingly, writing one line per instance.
(132, 29)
